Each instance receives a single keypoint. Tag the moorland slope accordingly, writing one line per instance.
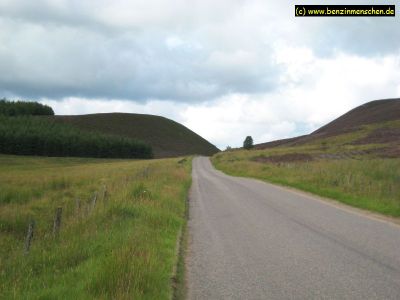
(166, 137)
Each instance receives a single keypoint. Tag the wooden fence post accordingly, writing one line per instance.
(29, 236)
(94, 200)
(78, 205)
(105, 194)
(57, 222)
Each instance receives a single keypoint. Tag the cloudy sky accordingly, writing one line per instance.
(225, 69)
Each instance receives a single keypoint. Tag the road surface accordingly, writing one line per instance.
(253, 240)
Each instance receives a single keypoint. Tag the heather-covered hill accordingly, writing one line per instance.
(375, 122)
(166, 137)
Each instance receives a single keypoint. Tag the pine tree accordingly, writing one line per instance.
(248, 142)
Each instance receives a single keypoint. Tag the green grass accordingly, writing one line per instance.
(166, 137)
(366, 181)
(123, 248)
(180, 287)
(370, 184)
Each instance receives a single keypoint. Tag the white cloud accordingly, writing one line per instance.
(174, 42)
(226, 69)
(316, 90)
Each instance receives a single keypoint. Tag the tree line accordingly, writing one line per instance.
(23, 108)
(33, 135)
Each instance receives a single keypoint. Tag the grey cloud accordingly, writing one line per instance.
(360, 36)
(363, 36)
(92, 49)
(60, 61)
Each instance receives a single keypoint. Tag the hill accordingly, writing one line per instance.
(372, 122)
(41, 136)
(25, 130)
(372, 112)
(354, 159)
(166, 137)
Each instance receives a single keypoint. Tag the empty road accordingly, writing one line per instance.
(253, 240)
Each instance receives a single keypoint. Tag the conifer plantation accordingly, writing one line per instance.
(23, 131)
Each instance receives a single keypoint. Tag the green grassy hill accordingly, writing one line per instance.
(167, 138)
(354, 159)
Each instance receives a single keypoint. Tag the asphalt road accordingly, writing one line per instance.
(253, 240)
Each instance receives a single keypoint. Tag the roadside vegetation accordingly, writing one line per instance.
(119, 227)
(360, 168)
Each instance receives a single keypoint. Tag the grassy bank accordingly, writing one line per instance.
(368, 182)
(120, 246)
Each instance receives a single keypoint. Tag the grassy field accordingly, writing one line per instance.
(121, 246)
(364, 175)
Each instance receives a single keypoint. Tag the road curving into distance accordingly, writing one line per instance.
(254, 240)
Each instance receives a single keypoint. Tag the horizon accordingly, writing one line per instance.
(239, 146)
(225, 70)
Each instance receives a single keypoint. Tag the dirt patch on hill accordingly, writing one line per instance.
(290, 157)
(390, 152)
(380, 136)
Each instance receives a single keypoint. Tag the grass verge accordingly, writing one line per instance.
(369, 183)
(179, 284)
(120, 246)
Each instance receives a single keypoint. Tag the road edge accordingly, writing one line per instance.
(178, 280)
(372, 215)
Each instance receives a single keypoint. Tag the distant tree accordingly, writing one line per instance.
(248, 142)
(24, 108)
(228, 148)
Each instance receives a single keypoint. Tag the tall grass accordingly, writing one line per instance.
(123, 248)
(369, 183)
